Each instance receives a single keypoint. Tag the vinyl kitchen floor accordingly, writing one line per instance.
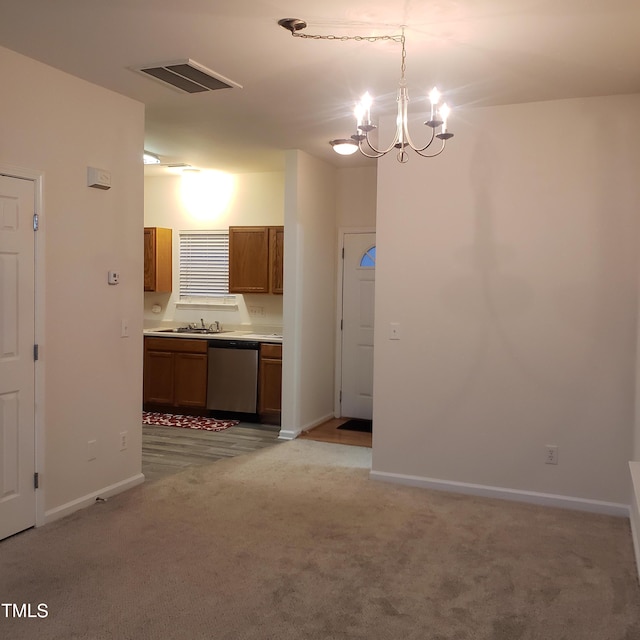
(168, 450)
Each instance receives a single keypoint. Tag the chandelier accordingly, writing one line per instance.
(402, 141)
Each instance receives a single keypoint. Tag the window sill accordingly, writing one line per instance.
(226, 304)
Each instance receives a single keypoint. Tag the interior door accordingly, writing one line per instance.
(17, 368)
(358, 295)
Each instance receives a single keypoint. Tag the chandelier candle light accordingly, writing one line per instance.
(360, 140)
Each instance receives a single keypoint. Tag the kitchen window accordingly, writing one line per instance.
(204, 269)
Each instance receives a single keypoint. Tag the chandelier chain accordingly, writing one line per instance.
(310, 36)
(394, 38)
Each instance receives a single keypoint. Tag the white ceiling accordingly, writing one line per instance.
(299, 93)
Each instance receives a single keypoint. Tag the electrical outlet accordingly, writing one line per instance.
(551, 454)
(124, 328)
(92, 452)
(256, 311)
(123, 440)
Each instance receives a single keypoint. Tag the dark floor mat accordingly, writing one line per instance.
(357, 425)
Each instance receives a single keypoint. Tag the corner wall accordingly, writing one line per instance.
(511, 264)
(56, 124)
(309, 293)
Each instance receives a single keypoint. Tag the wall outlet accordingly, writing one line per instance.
(551, 454)
(92, 450)
(124, 328)
(256, 311)
(124, 437)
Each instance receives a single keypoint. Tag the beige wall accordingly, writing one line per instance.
(356, 194)
(511, 264)
(309, 297)
(59, 125)
(213, 200)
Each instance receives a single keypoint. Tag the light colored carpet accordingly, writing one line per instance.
(295, 542)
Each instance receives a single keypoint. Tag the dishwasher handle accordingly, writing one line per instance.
(234, 344)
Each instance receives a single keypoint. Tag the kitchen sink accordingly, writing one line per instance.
(191, 330)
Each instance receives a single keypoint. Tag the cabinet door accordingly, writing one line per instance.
(276, 259)
(248, 259)
(190, 379)
(157, 259)
(158, 377)
(270, 401)
(149, 259)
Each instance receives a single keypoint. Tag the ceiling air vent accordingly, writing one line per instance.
(187, 76)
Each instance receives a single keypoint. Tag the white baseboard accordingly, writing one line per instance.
(89, 499)
(634, 515)
(286, 434)
(292, 434)
(542, 499)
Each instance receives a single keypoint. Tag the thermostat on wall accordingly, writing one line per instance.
(98, 178)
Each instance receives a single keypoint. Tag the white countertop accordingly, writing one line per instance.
(163, 332)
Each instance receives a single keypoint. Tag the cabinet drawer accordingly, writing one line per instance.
(271, 350)
(181, 345)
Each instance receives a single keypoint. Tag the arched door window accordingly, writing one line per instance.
(369, 258)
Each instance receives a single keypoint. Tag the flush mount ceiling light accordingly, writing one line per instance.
(150, 158)
(402, 141)
(344, 146)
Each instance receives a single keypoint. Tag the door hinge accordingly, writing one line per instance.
(36, 222)
(341, 323)
(36, 480)
(340, 395)
(343, 253)
(36, 350)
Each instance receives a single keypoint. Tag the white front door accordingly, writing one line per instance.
(17, 368)
(358, 295)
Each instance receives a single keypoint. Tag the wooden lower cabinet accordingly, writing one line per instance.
(175, 373)
(270, 383)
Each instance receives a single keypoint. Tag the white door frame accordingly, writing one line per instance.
(37, 177)
(342, 231)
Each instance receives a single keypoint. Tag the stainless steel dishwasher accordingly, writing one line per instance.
(233, 376)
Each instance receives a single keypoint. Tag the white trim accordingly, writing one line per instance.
(290, 434)
(287, 434)
(223, 306)
(532, 497)
(342, 231)
(40, 312)
(634, 510)
(89, 499)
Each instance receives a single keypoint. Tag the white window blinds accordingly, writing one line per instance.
(204, 264)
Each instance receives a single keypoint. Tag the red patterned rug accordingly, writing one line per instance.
(186, 422)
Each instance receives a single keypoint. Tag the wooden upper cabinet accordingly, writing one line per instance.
(157, 259)
(276, 259)
(255, 259)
